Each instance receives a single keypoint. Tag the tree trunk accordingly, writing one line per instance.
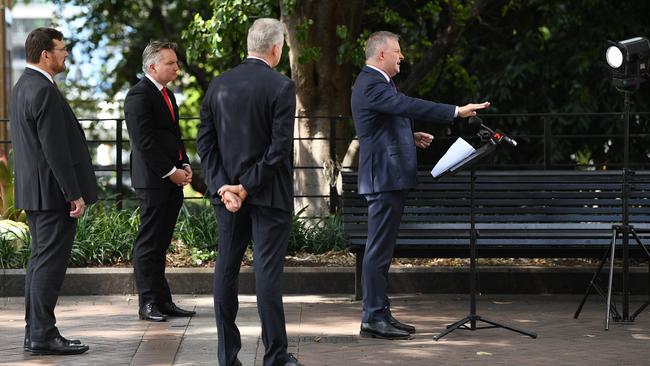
(323, 92)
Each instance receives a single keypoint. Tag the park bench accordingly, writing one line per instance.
(518, 214)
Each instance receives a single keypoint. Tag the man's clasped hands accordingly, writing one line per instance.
(232, 196)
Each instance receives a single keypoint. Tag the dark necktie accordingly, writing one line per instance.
(392, 84)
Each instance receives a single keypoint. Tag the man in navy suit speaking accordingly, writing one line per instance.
(383, 118)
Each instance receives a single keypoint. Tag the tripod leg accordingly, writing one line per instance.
(611, 278)
(499, 325)
(592, 283)
(638, 241)
(452, 327)
(647, 254)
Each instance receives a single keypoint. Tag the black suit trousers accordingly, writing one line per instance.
(159, 210)
(384, 216)
(269, 229)
(52, 234)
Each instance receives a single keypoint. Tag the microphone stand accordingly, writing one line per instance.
(487, 148)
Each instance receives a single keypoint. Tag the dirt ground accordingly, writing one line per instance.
(344, 258)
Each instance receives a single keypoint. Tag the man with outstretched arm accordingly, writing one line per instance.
(383, 119)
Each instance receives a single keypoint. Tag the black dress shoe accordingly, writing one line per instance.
(56, 346)
(150, 312)
(237, 363)
(171, 309)
(382, 329)
(399, 325)
(26, 344)
(293, 361)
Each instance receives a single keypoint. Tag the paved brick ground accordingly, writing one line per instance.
(324, 331)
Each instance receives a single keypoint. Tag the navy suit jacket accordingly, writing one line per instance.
(156, 144)
(51, 158)
(383, 119)
(246, 133)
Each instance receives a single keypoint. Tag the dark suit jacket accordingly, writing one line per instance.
(383, 120)
(51, 159)
(246, 134)
(156, 145)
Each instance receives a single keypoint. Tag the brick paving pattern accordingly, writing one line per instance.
(323, 330)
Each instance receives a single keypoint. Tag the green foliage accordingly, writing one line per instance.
(7, 209)
(316, 235)
(308, 54)
(202, 256)
(218, 42)
(105, 236)
(196, 226)
(14, 244)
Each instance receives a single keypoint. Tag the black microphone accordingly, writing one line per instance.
(497, 136)
(475, 121)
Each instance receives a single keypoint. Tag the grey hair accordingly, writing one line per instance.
(151, 53)
(377, 40)
(264, 34)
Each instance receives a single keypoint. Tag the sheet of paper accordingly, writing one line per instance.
(458, 151)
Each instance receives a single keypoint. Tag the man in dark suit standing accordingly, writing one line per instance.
(383, 118)
(245, 144)
(159, 170)
(54, 181)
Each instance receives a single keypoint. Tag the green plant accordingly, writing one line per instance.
(298, 234)
(196, 226)
(7, 209)
(14, 244)
(105, 236)
(316, 235)
(327, 234)
(200, 256)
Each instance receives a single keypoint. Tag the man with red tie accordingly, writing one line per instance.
(159, 170)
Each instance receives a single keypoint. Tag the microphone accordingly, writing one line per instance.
(477, 122)
(497, 136)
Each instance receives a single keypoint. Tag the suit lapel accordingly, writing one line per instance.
(162, 105)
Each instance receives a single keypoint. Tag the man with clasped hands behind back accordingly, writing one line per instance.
(245, 144)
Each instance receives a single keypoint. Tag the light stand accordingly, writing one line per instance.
(472, 318)
(624, 230)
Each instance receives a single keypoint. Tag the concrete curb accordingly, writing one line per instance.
(340, 280)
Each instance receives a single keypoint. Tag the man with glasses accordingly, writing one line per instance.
(54, 181)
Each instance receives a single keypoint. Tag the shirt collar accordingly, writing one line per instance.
(47, 75)
(157, 84)
(381, 71)
(258, 58)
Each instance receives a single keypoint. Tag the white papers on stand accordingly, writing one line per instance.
(457, 152)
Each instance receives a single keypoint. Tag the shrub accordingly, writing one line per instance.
(106, 233)
(14, 244)
(105, 236)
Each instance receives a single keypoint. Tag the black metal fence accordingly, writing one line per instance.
(545, 141)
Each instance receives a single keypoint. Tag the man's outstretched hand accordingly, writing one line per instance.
(469, 110)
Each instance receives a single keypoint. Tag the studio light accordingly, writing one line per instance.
(629, 61)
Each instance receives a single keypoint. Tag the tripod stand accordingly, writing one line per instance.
(473, 317)
(624, 230)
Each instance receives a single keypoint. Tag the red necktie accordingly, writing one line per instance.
(169, 102)
(171, 110)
